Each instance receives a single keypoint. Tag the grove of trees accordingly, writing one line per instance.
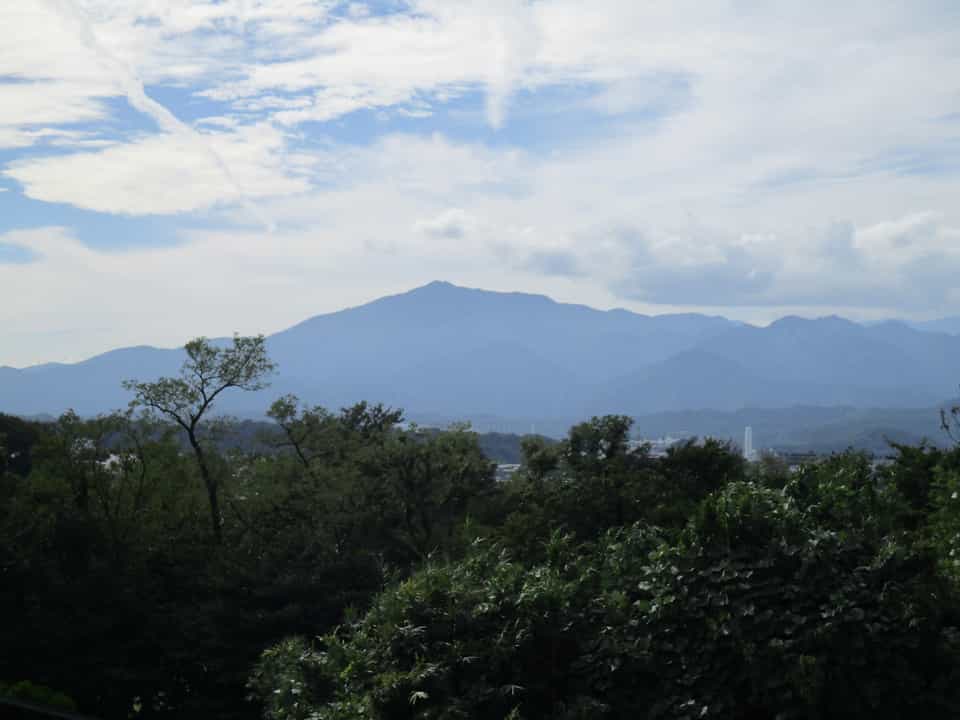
(352, 566)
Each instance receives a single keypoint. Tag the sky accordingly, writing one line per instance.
(175, 168)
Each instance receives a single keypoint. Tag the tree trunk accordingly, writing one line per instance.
(210, 482)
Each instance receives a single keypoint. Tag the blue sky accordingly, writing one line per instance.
(199, 167)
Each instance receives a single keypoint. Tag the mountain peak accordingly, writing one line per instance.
(442, 290)
(436, 285)
(792, 322)
(438, 289)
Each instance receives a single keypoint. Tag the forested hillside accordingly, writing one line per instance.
(356, 566)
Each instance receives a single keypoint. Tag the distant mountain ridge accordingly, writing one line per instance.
(948, 325)
(444, 350)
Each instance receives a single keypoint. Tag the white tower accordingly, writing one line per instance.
(748, 443)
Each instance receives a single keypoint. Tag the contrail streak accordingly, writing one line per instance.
(136, 95)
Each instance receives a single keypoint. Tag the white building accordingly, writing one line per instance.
(749, 454)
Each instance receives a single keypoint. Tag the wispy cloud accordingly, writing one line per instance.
(75, 18)
(166, 173)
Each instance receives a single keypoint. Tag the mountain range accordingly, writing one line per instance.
(443, 351)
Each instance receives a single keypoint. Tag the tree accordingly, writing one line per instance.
(950, 422)
(321, 440)
(207, 372)
(17, 438)
(429, 483)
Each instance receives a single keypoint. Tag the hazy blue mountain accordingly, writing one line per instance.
(695, 379)
(90, 386)
(496, 379)
(933, 351)
(826, 350)
(840, 362)
(441, 318)
(446, 351)
(948, 325)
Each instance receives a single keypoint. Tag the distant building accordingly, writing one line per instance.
(505, 471)
(658, 446)
(749, 454)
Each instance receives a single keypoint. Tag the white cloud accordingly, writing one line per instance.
(48, 103)
(167, 173)
(11, 138)
(812, 88)
(452, 224)
(783, 56)
(570, 216)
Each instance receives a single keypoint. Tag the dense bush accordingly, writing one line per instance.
(758, 609)
(26, 691)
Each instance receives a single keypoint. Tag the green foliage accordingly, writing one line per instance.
(485, 637)
(17, 438)
(770, 470)
(944, 523)
(38, 694)
(106, 547)
(914, 472)
(369, 569)
(780, 614)
(403, 494)
(805, 601)
(507, 448)
(593, 481)
(287, 678)
(741, 516)
(691, 471)
(845, 494)
(589, 482)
